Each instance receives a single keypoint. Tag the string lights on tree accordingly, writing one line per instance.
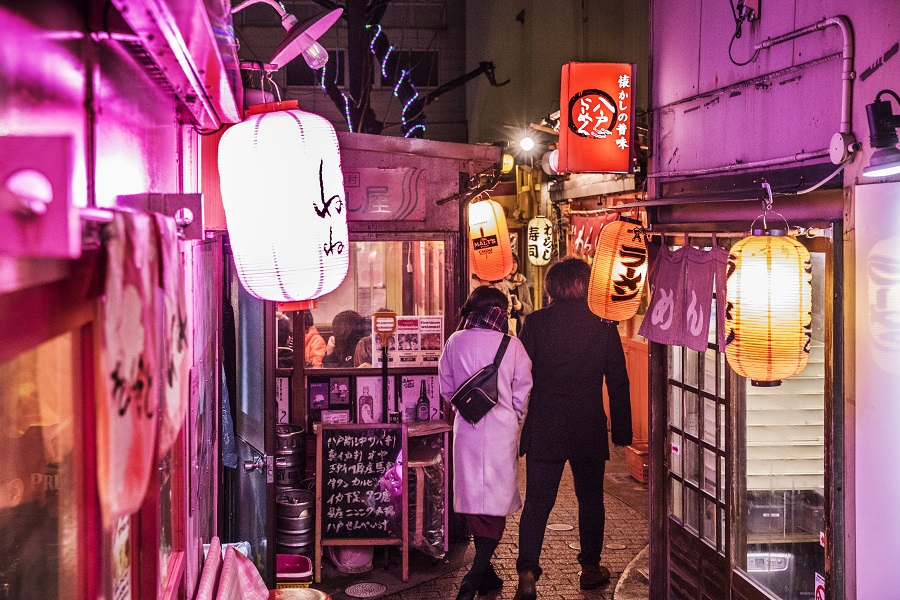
(411, 116)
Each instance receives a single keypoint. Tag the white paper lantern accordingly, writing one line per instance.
(283, 193)
(540, 241)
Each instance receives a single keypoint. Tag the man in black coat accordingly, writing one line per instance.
(572, 351)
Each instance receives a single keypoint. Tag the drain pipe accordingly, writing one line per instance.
(847, 74)
(843, 143)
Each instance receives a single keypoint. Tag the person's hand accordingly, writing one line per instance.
(516, 303)
(329, 347)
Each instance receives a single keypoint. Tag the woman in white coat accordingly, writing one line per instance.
(485, 454)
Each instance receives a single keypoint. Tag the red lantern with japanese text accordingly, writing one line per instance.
(596, 129)
(619, 271)
(491, 255)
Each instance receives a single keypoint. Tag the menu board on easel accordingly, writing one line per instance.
(361, 489)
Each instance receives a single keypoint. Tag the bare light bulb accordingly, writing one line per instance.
(315, 55)
(526, 143)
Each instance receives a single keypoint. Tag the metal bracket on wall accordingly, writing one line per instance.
(186, 209)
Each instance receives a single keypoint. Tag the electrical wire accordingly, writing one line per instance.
(740, 15)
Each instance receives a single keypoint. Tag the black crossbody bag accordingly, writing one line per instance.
(478, 395)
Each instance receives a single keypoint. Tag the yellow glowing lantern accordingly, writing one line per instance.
(540, 241)
(491, 254)
(619, 270)
(283, 194)
(769, 307)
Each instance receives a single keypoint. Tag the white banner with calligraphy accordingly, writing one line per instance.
(681, 293)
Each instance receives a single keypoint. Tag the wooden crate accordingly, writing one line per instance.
(637, 457)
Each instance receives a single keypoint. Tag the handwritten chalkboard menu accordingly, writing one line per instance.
(360, 492)
(360, 489)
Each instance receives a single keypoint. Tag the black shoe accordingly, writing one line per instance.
(490, 582)
(593, 576)
(467, 589)
(526, 589)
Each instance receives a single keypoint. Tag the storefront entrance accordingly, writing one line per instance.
(742, 500)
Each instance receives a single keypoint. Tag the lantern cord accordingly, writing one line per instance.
(274, 85)
(766, 225)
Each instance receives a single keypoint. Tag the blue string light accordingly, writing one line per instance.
(347, 111)
(403, 87)
(413, 129)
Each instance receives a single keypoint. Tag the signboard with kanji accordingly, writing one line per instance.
(596, 129)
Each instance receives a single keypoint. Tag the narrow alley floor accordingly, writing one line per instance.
(624, 551)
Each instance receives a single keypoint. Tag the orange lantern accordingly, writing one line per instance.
(491, 255)
(619, 270)
(768, 312)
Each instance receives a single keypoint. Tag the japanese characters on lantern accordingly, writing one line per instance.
(540, 241)
(619, 271)
(768, 311)
(283, 194)
(596, 130)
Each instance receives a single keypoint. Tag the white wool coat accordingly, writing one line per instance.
(485, 455)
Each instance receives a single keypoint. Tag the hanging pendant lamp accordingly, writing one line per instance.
(283, 194)
(619, 270)
(491, 255)
(768, 312)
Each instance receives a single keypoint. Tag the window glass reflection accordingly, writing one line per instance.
(404, 277)
(785, 450)
(38, 542)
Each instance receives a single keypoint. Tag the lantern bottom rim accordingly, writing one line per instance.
(756, 383)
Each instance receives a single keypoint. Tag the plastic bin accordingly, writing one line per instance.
(638, 461)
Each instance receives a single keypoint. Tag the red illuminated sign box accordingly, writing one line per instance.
(596, 128)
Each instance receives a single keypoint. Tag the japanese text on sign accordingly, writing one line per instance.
(597, 129)
(359, 498)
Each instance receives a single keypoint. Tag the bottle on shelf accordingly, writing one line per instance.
(423, 404)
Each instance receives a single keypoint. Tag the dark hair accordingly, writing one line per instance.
(285, 330)
(568, 280)
(348, 327)
(482, 299)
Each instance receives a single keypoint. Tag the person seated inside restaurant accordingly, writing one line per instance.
(348, 328)
(314, 342)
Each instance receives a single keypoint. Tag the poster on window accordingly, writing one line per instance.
(596, 127)
(416, 343)
(419, 398)
(369, 408)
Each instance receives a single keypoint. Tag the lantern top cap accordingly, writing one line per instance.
(769, 232)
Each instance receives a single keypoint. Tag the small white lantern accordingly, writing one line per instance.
(540, 241)
(283, 193)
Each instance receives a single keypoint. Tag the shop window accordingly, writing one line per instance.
(784, 444)
(696, 423)
(39, 546)
(405, 277)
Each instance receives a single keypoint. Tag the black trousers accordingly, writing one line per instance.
(541, 488)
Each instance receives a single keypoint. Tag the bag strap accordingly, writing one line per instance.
(501, 351)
